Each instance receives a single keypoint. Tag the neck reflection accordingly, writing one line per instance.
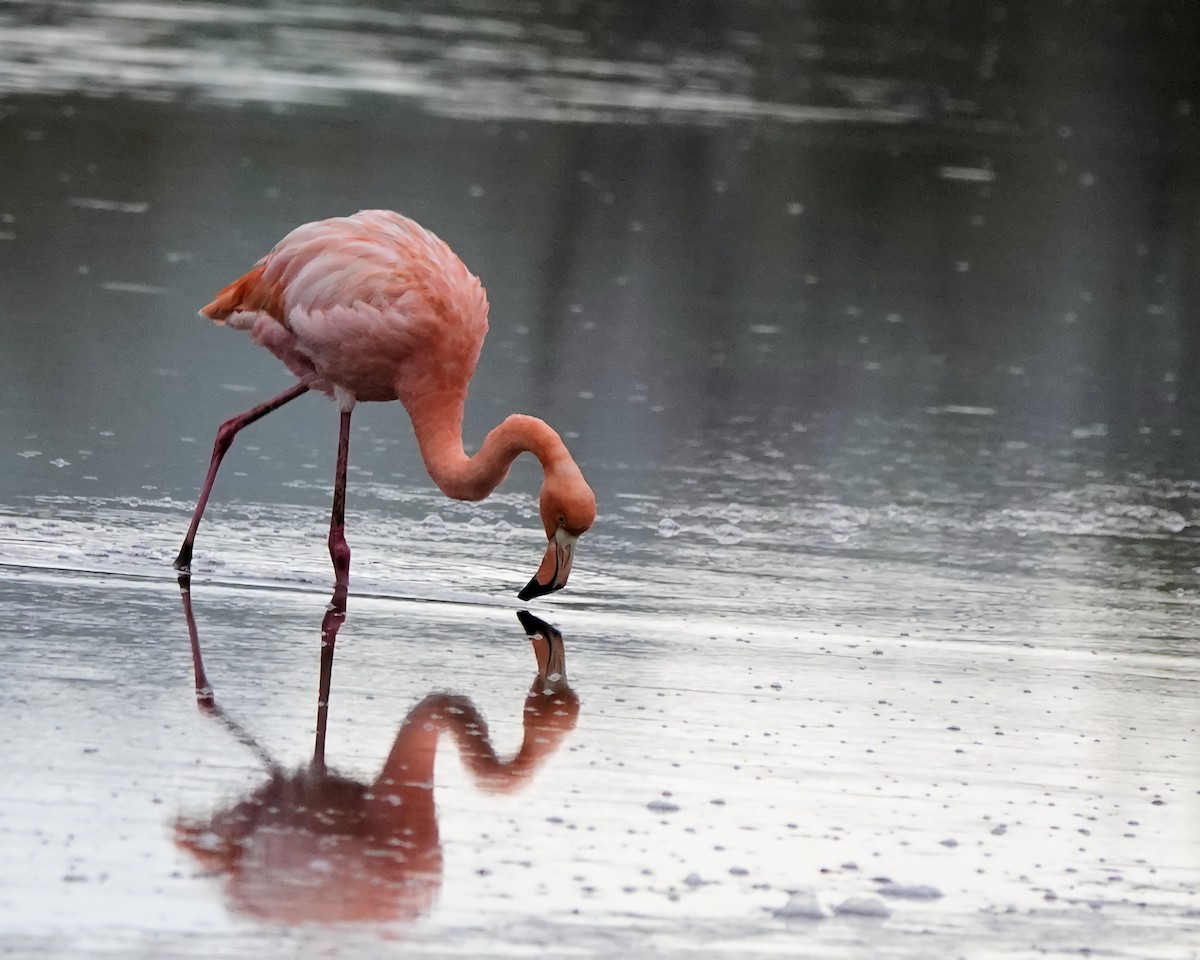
(311, 845)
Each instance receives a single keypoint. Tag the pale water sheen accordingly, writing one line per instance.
(893, 588)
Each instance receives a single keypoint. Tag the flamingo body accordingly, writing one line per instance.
(374, 307)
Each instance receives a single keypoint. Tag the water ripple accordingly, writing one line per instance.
(461, 65)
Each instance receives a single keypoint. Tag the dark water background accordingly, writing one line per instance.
(876, 332)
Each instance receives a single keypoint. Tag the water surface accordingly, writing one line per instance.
(882, 363)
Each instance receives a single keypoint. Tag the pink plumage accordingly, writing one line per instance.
(374, 307)
(353, 301)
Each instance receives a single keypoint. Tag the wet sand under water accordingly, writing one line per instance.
(990, 793)
(887, 390)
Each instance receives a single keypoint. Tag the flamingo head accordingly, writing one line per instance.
(568, 509)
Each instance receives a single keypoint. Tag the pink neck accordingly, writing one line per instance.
(437, 422)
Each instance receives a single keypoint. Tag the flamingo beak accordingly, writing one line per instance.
(556, 567)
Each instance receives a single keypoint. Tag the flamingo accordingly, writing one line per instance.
(374, 307)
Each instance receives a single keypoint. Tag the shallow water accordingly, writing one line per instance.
(886, 383)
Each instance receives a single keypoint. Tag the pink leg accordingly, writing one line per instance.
(335, 615)
(339, 550)
(323, 693)
(204, 694)
(228, 430)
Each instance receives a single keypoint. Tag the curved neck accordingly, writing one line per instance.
(437, 422)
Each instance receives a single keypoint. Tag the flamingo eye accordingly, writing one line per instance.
(561, 520)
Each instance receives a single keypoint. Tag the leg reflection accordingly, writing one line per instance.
(205, 698)
(312, 845)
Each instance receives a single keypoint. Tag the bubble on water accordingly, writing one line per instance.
(863, 907)
(477, 522)
(503, 530)
(966, 174)
(434, 527)
(735, 512)
(803, 905)
(668, 528)
(118, 206)
(208, 841)
(1090, 430)
(693, 880)
(60, 463)
(662, 806)
(846, 522)
(795, 209)
(1173, 521)
(912, 891)
(29, 453)
(727, 534)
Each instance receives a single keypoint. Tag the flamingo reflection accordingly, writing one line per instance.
(311, 845)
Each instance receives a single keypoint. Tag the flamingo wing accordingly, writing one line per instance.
(361, 302)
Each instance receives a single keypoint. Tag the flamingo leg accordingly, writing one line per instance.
(339, 550)
(323, 692)
(225, 434)
(204, 693)
(335, 614)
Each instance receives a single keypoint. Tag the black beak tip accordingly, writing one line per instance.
(529, 623)
(534, 625)
(534, 589)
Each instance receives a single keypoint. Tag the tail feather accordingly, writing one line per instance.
(247, 293)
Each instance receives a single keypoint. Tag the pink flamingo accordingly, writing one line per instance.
(374, 307)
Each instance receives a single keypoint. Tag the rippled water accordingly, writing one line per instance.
(461, 60)
(876, 335)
